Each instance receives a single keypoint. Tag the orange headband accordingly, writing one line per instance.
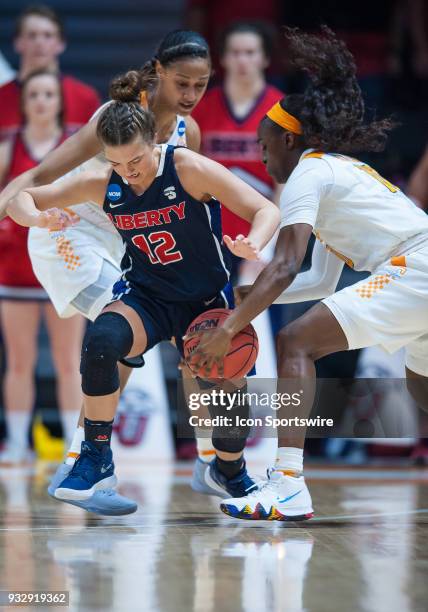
(143, 99)
(280, 116)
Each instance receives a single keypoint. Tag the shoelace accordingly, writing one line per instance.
(273, 478)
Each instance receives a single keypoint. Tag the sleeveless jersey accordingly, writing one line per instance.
(232, 141)
(173, 242)
(15, 265)
(92, 212)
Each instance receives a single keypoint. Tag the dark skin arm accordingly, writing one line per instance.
(290, 251)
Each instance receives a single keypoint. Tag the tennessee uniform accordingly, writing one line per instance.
(369, 224)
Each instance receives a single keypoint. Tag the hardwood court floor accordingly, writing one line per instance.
(365, 550)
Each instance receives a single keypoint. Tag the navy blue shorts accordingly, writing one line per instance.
(167, 320)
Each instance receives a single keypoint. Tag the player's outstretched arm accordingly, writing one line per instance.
(272, 281)
(69, 155)
(203, 178)
(28, 207)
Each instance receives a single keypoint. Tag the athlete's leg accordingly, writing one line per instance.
(66, 337)
(20, 323)
(117, 333)
(314, 335)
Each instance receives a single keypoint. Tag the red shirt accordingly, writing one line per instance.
(232, 141)
(15, 265)
(80, 102)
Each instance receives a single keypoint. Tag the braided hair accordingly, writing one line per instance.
(125, 119)
(331, 109)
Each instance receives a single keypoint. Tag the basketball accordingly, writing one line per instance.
(243, 350)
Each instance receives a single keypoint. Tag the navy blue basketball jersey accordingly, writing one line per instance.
(173, 242)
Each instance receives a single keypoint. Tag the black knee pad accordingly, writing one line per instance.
(107, 340)
(231, 438)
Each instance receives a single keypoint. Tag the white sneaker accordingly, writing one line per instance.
(279, 498)
(13, 457)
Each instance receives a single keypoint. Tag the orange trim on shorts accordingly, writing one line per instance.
(206, 453)
(399, 261)
(73, 455)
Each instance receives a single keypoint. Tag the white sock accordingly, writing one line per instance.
(75, 446)
(18, 423)
(206, 450)
(70, 420)
(289, 460)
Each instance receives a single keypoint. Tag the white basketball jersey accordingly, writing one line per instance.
(355, 212)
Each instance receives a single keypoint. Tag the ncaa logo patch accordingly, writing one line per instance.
(181, 128)
(114, 192)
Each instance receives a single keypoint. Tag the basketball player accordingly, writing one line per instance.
(360, 219)
(160, 200)
(173, 82)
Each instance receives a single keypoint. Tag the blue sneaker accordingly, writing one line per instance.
(107, 502)
(92, 471)
(198, 482)
(242, 484)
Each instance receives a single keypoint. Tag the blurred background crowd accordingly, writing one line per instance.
(85, 46)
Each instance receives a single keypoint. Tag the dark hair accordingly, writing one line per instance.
(258, 28)
(39, 10)
(125, 119)
(37, 73)
(331, 109)
(176, 45)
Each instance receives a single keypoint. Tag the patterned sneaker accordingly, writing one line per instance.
(280, 498)
(106, 502)
(92, 471)
(219, 485)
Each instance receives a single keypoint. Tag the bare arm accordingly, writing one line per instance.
(5, 152)
(27, 207)
(193, 135)
(72, 153)
(290, 251)
(417, 187)
(203, 177)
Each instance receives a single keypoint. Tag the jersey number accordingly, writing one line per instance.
(158, 246)
(378, 177)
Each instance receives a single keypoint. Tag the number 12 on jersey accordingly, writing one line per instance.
(159, 247)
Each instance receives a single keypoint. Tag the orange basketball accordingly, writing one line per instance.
(243, 350)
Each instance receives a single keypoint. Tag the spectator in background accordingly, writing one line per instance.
(22, 298)
(39, 40)
(228, 115)
(211, 18)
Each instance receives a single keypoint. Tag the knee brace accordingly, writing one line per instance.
(231, 438)
(107, 340)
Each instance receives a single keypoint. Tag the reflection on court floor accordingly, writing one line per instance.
(365, 549)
